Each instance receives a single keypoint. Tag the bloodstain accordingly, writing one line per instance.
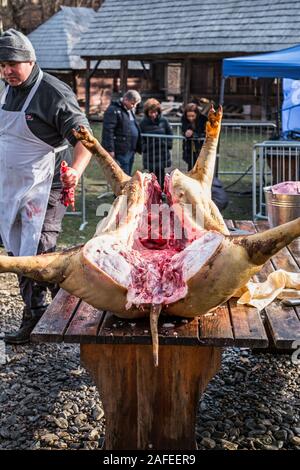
(32, 210)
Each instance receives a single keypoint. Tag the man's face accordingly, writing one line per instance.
(16, 73)
(129, 104)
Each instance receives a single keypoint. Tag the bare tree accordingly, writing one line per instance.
(26, 15)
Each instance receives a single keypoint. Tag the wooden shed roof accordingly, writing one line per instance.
(54, 40)
(139, 28)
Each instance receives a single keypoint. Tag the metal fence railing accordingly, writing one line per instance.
(235, 148)
(234, 152)
(273, 162)
(156, 147)
(236, 144)
(81, 213)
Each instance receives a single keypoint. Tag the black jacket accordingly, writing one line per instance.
(116, 134)
(191, 146)
(51, 115)
(156, 151)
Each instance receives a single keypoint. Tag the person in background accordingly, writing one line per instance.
(37, 115)
(156, 150)
(121, 135)
(193, 129)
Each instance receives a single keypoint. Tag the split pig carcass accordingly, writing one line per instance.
(149, 256)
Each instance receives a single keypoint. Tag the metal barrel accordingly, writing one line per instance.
(281, 208)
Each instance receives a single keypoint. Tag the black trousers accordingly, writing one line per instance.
(34, 293)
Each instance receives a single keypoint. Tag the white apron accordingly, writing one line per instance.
(26, 171)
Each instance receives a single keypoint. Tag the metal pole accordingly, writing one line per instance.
(278, 120)
(254, 213)
(222, 90)
(84, 222)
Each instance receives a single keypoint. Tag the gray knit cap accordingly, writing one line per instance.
(16, 47)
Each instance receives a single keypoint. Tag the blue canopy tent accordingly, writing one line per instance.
(283, 64)
(280, 64)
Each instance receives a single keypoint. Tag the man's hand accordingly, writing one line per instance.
(69, 178)
(112, 154)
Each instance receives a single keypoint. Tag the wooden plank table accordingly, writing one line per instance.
(148, 407)
(281, 322)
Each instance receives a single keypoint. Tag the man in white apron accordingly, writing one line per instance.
(37, 114)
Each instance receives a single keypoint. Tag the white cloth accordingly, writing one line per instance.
(279, 284)
(26, 172)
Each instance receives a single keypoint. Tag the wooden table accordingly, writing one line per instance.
(148, 407)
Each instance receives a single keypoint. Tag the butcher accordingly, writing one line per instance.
(37, 115)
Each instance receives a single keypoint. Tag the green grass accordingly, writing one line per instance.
(236, 155)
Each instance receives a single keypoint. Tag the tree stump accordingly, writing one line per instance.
(149, 407)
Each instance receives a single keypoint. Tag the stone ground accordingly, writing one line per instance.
(47, 401)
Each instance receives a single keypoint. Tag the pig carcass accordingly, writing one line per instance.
(147, 256)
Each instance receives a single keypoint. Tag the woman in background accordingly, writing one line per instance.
(156, 150)
(193, 129)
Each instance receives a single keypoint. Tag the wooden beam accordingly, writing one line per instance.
(187, 80)
(87, 87)
(264, 99)
(123, 76)
(146, 72)
(92, 73)
(222, 91)
(115, 84)
(74, 81)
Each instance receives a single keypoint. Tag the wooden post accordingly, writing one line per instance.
(264, 99)
(278, 106)
(74, 81)
(187, 80)
(87, 87)
(222, 91)
(115, 84)
(147, 407)
(123, 75)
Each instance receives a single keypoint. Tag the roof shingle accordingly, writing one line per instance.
(54, 40)
(143, 28)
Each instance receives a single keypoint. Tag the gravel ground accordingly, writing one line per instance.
(47, 401)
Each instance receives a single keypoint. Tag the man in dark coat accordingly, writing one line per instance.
(121, 135)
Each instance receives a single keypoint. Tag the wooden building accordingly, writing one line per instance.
(188, 39)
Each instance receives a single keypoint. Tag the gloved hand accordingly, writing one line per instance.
(69, 177)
